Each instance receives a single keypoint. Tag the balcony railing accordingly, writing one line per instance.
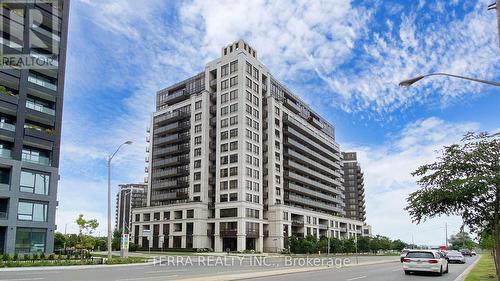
(5, 153)
(37, 159)
(42, 83)
(40, 108)
(7, 126)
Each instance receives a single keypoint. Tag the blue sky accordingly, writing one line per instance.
(345, 58)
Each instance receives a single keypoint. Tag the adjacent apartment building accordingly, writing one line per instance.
(354, 187)
(128, 197)
(236, 161)
(31, 102)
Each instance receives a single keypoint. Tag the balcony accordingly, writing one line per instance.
(323, 226)
(309, 192)
(171, 161)
(5, 153)
(171, 117)
(38, 132)
(228, 232)
(174, 127)
(37, 159)
(171, 150)
(46, 58)
(297, 223)
(158, 185)
(313, 203)
(171, 139)
(40, 108)
(292, 106)
(7, 126)
(43, 83)
(176, 96)
(170, 196)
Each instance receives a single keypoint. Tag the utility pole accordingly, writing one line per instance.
(446, 233)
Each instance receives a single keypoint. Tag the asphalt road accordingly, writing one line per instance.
(212, 267)
(380, 272)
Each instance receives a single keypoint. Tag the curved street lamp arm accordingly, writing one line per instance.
(409, 82)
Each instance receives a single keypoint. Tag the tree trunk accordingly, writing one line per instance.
(496, 233)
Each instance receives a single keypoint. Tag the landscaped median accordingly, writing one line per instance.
(37, 260)
(484, 270)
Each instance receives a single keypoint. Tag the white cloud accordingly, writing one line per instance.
(388, 180)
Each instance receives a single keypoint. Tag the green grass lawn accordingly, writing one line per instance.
(484, 270)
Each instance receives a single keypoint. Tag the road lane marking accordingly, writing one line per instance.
(23, 279)
(356, 278)
(141, 278)
(165, 271)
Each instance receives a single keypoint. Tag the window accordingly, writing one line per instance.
(197, 140)
(197, 187)
(256, 199)
(223, 98)
(249, 146)
(233, 120)
(233, 171)
(249, 159)
(256, 161)
(233, 107)
(229, 213)
(197, 105)
(166, 215)
(233, 197)
(177, 227)
(277, 168)
(251, 213)
(255, 87)
(223, 135)
(197, 176)
(137, 217)
(156, 216)
(278, 179)
(197, 128)
(256, 174)
(197, 163)
(197, 152)
(223, 198)
(223, 123)
(249, 185)
(233, 145)
(177, 215)
(248, 197)
(285, 216)
(248, 96)
(277, 111)
(249, 83)
(256, 149)
(197, 117)
(256, 186)
(224, 70)
(233, 158)
(248, 171)
(277, 133)
(190, 214)
(248, 109)
(34, 182)
(233, 184)
(223, 160)
(223, 147)
(223, 110)
(249, 68)
(233, 94)
(223, 173)
(30, 240)
(223, 84)
(233, 67)
(233, 133)
(256, 137)
(223, 185)
(233, 81)
(249, 121)
(255, 73)
(256, 100)
(255, 125)
(256, 113)
(32, 211)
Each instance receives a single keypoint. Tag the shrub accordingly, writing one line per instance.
(26, 257)
(34, 257)
(15, 257)
(7, 257)
(42, 256)
(51, 257)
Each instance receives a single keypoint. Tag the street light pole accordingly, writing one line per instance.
(411, 81)
(109, 197)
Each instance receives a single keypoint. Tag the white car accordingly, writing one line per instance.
(455, 256)
(425, 261)
(403, 254)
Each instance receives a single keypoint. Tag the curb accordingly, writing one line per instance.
(244, 276)
(466, 272)
(70, 267)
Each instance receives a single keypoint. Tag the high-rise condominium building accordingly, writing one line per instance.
(354, 187)
(128, 197)
(238, 162)
(31, 102)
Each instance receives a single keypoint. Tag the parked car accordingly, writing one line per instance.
(455, 257)
(466, 252)
(425, 261)
(403, 254)
(473, 253)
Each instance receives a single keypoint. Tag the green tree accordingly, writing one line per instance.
(461, 240)
(349, 245)
(115, 243)
(86, 227)
(59, 240)
(465, 181)
(486, 241)
(364, 244)
(336, 245)
(398, 245)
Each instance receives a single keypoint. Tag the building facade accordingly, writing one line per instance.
(31, 101)
(354, 187)
(238, 162)
(128, 197)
